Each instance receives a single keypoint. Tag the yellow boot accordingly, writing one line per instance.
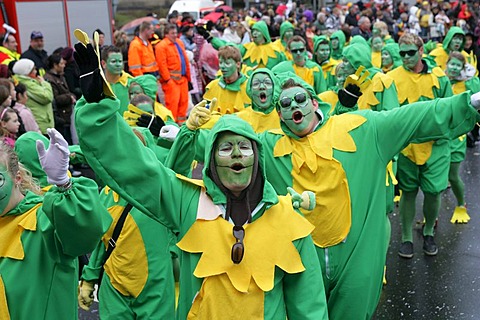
(460, 215)
(385, 275)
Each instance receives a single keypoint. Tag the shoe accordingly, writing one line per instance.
(406, 250)
(429, 246)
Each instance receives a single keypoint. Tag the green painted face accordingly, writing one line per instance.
(341, 75)
(376, 31)
(377, 44)
(454, 68)
(297, 111)
(323, 52)
(387, 60)
(258, 37)
(6, 187)
(115, 63)
(299, 53)
(409, 61)
(134, 90)
(334, 43)
(228, 67)
(456, 42)
(261, 90)
(145, 106)
(288, 35)
(348, 67)
(234, 160)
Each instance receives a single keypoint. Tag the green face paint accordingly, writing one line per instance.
(287, 35)
(228, 67)
(377, 44)
(115, 63)
(456, 42)
(299, 53)
(234, 160)
(409, 62)
(145, 106)
(261, 90)
(134, 90)
(297, 111)
(323, 52)
(387, 60)
(341, 76)
(454, 68)
(6, 187)
(334, 43)
(258, 37)
(376, 31)
(348, 67)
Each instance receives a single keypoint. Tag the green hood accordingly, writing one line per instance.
(276, 89)
(26, 149)
(148, 84)
(232, 123)
(359, 54)
(450, 34)
(341, 43)
(394, 50)
(263, 28)
(286, 25)
(316, 42)
(323, 107)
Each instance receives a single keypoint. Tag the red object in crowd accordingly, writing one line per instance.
(464, 13)
(225, 8)
(281, 9)
(213, 16)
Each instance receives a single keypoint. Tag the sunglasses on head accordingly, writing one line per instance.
(410, 53)
(299, 50)
(300, 98)
(238, 248)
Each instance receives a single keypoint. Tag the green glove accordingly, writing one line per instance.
(85, 294)
(306, 200)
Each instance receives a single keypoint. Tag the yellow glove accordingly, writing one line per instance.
(132, 115)
(200, 114)
(460, 215)
(360, 79)
(306, 200)
(85, 294)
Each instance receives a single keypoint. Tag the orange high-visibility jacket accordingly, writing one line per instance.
(168, 60)
(141, 58)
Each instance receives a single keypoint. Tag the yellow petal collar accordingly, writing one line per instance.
(259, 54)
(380, 83)
(268, 244)
(411, 86)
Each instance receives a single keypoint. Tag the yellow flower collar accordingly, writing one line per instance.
(416, 85)
(380, 83)
(259, 54)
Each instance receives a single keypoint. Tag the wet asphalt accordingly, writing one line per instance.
(446, 286)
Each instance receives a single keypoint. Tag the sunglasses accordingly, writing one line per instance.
(300, 98)
(410, 53)
(238, 248)
(297, 51)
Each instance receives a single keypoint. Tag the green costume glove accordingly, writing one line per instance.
(429, 46)
(85, 294)
(460, 215)
(200, 114)
(306, 200)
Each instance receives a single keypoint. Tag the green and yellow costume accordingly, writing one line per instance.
(231, 97)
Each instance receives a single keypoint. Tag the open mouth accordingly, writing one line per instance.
(263, 97)
(297, 117)
(237, 167)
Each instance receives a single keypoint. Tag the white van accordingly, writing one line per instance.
(194, 7)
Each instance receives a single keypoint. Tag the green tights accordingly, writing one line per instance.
(458, 187)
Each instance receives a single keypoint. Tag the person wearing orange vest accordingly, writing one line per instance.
(174, 71)
(141, 58)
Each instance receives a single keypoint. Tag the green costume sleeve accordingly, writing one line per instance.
(76, 155)
(91, 272)
(445, 89)
(424, 121)
(388, 99)
(77, 216)
(120, 159)
(320, 82)
(300, 302)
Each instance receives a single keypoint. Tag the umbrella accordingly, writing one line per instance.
(129, 27)
(225, 8)
(213, 16)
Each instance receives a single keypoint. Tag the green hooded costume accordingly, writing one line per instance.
(279, 269)
(440, 54)
(337, 55)
(394, 52)
(328, 66)
(280, 43)
(266, 55)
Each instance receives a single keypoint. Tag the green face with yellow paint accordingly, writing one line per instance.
(234, 160)
(6, 187)
(261, 90)
(297, 110)
(258, 37)
(410, 55)
(454, 68)
(299, 53)
(114, 63)
(323, 52)
(134, 90)
(228, 67)
(387, 60)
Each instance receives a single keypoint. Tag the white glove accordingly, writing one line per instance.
(169, 132)
(55, 159)
(475, 100)
(85, 294)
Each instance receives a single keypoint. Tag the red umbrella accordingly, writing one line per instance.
(225, 8)
(129, 27)
(213, 16)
